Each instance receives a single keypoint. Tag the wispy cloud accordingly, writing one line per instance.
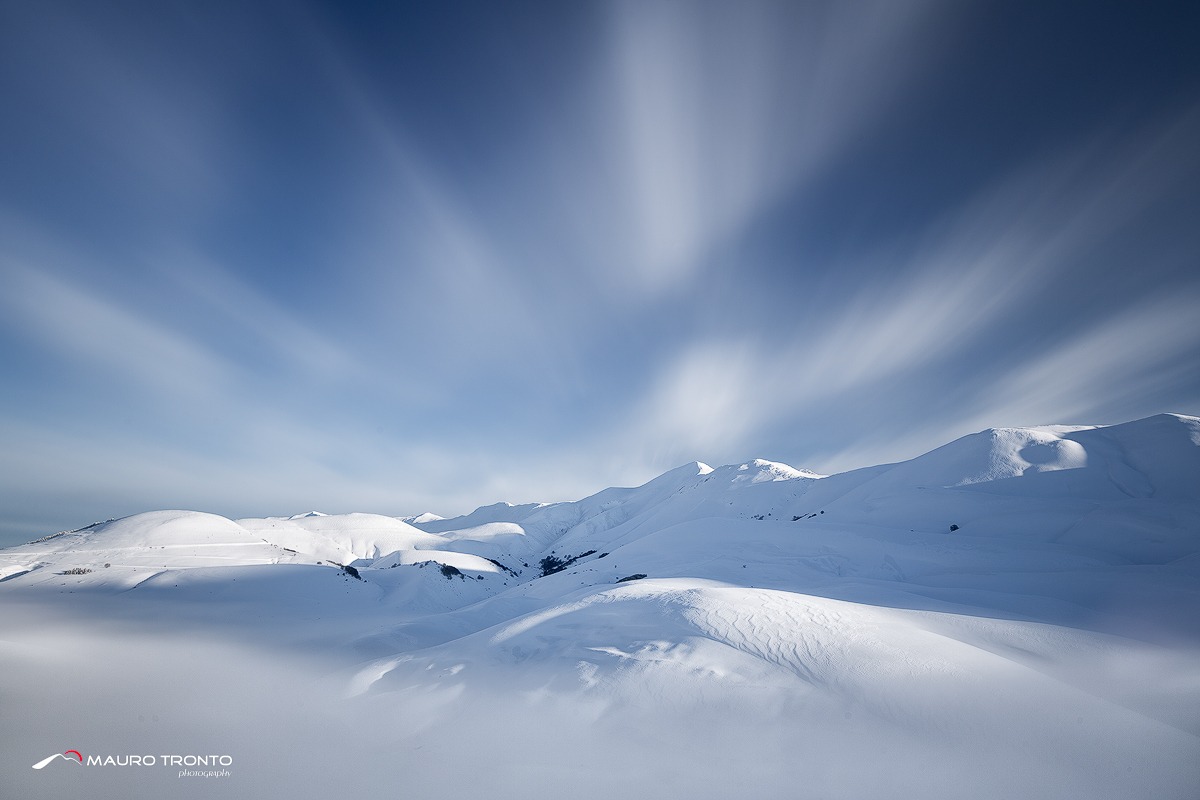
(1099, 375)
(97, 332)
(289, 334)
(460, 299)
(721, 109)
(1107, 364)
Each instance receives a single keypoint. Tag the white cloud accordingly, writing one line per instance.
(706, 400)
(722, 109)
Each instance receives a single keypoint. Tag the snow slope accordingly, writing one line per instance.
(1016, 613)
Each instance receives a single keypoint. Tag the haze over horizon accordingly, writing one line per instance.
(262, 258)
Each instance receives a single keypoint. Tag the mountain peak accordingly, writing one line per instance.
(307, 514)
(427, 516)
(760, 470)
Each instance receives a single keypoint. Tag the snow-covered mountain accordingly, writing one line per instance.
(1017, 612)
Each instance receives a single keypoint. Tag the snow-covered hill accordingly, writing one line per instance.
(1016, 613)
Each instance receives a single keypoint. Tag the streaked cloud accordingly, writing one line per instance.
(95, 332)
(255, 315)
(721, 109)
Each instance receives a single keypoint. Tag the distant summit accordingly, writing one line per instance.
(420, 518)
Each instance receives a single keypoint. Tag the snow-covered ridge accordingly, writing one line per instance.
(1158, 457)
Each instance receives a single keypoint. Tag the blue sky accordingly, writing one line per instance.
(265, 257)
